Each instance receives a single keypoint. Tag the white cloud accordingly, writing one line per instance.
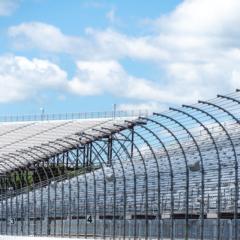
(21, 78)
(101, 45)
(45, 37)
(98, 77)
(111, 44)
(101, 77)
(201, 17)
(196, 47)
(7, 7)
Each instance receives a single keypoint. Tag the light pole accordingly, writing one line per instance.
(42, 113)
(114, 110)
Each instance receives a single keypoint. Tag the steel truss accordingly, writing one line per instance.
(171, 175)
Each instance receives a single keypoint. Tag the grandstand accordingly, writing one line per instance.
(170, 175)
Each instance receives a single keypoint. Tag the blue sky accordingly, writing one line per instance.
(79, 55)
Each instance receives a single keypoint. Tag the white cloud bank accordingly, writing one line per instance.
(98, 77)
(21, 78)
(45, 37)
(196, 46)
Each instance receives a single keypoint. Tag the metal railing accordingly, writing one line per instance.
(71, 116)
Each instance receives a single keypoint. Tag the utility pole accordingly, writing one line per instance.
(42, 113)
(114, 110)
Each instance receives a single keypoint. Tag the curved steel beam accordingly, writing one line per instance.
(124, 178)
(186, 166)
(155, 159)
(158, 175)
(228, 98)
(170, 167)
(202, 166)
(218, 158)
(129, 155)
(235, 160)
(104, 181)
(145, 175)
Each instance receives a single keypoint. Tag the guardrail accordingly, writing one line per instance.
(71, 116)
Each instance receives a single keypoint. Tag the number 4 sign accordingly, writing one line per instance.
(89, 219)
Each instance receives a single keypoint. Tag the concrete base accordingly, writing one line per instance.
(54, 238)
(35, 238)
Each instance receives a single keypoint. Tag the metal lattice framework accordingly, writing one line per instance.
(170, 175)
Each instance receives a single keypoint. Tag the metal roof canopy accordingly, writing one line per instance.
(29, 143)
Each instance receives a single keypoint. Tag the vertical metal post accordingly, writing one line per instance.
(48, 205)
(28, 201)
(22, 205)
(85, 157)
(34, 204)
(78, 194)
(11, 210)
(15, 189)
(41, 210)
(10, 222)
(55, 200)
(67, 160)
(104, 207)
(34, 208)
(2, 186)
(109, 161)
(124, 202)
(6, 208)
(110, 144)
(62, 201)
(17, 205)
(69, 200)
(135, 185)
(95, 201)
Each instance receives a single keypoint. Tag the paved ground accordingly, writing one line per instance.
(49, 238)
(34, 238)
(53, 238)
